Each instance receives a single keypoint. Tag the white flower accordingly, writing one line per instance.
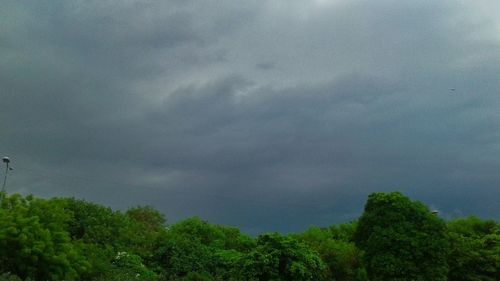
(119, 255)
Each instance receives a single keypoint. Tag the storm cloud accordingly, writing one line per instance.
(266, 115)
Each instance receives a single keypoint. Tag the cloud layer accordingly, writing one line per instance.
(267, 115)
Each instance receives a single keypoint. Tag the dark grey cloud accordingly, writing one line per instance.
(267, 115)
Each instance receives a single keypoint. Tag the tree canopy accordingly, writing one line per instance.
(394, 239)
(402, 240)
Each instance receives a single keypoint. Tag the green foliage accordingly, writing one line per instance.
(195, 276)
(475, 250)
(177, 256)
(235, 240)
(128, 267)
(9, 277)
(99, 232)
(342, 258)
(201, 231)
(72, 239)
(344, 232)
(102, 232)
(279, 257)
(402, 240)
(147, 217)
(227, 264)
(194, 245)
(95, 224)
(144, 228)
(395, 239)
(33, 240)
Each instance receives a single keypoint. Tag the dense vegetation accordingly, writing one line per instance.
(395, 239)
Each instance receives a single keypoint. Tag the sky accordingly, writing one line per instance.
(264, 115)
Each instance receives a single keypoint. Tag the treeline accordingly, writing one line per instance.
(395, 239)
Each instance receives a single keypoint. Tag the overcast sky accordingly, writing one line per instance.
(265, 115)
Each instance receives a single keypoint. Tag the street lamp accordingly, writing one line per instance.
(6, 160)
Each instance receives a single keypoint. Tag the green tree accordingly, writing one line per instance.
(233, 239)
(177, 256)
(195, 246)
(344, 232)
(127, 266)
(402, 240)
(96, 224)
(475, 250)
(98, 231)
(278, 257)
(147, 217)
(144, 227)
(342, 258)
(102, 233)
(34, 242)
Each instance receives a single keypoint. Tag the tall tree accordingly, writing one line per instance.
(402, 240)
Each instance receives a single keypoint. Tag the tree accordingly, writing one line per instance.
(126, 267)
(284, 258)
(102, 233)
(475, 250)
(342, 258)
(147, 217)
(96, 224)
(194, 247)
(34, 242)
(402, 240)
(98, 231)
(178, 255)
(144, 227)
(343, 232)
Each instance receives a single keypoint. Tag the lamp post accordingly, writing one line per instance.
(6, 160)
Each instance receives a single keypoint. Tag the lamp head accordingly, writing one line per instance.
(6, 159)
